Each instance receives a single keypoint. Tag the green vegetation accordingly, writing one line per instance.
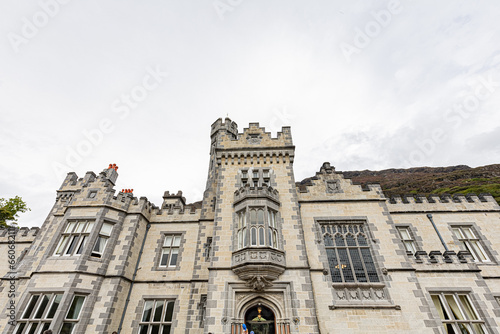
(434, 180)
(492, 188)
(10, 209)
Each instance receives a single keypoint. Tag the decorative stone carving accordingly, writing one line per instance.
(333, 187)
(254, 138)
(258, 283)
(257, 265)
(360, 293)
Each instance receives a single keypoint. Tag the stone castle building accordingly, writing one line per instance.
(326, 256)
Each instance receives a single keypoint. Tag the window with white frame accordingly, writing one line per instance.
(73, 315)
(458, 313)
(272, 228)
(257, 227)
(471, 242)
(102, 240)
(157, 316)
(39, 313)
(74, 238)
(348, 251)
(170, 250)
(242, 229)
(407, 238)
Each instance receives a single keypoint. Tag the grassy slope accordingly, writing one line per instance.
(427, 180)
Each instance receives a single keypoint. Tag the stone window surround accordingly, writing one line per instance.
(249, 204)
(482, 239)
(355, 266)
(140, 308)
(497, 298)
(250, 179)
(162, 321)
(375, 255)
(159, 249)
(473, 298)
(92, 194)
(62, 310)
(417, 241)
(93, 235)
(31, 319)
(71, 234)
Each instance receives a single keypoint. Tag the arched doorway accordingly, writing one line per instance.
(260, 319)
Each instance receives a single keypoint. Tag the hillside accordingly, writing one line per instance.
(433, 180)
(459, 179)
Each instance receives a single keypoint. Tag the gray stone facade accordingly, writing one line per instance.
(324, 257)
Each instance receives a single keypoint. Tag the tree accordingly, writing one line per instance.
(10, 209)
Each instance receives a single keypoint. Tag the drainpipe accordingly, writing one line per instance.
(437, 231)
(133, 278)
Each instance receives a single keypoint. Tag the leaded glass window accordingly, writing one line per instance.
(348, 251)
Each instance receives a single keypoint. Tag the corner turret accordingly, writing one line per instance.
(228, 127)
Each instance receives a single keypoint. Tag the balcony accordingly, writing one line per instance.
(258, 266)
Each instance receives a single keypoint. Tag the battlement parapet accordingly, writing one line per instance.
(256, 192)
(106, 179)
(253, 139)
(468, 201)
(227, 126)
(173, 201)
(23, 234)
(176, 214)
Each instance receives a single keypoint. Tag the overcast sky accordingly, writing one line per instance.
(364, 85)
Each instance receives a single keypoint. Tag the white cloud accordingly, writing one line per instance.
(275, 63)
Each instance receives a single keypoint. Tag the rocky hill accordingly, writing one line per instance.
(459, 179)
(433, 180)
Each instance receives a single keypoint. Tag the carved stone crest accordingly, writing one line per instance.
(332, 187)
(258, 283)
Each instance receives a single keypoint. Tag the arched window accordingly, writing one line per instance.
(253, 236)
(242, 229)
(262, 240)
(253, 217)
(272, 228)
(256, 227)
